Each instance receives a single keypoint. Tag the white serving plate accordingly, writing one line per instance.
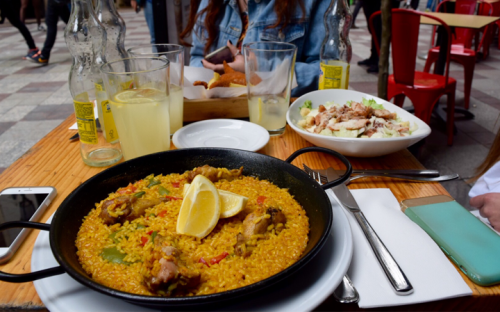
(226, 133)
(302, 291)
(356, 147)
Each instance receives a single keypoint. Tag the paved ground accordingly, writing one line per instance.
(34, 100)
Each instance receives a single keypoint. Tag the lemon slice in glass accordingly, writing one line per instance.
(137, 96)
(231, 203)
(260, 109)
(200, 208)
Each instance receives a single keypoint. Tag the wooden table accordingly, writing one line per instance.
(459, 20)
(56, 162)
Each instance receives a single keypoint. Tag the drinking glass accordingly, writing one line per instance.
(269, 71)
(138, 91)
(175, 54)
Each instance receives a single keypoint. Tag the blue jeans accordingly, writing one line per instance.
(148, 14)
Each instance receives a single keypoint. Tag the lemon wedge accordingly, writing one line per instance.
(260, 104)
(231, 203)
(200, 209)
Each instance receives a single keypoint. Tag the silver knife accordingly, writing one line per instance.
(394, 273)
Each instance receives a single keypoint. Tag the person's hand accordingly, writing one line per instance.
(133, 3)
(238, 63)
(489, 207)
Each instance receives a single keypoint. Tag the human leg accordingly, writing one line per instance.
(38, 7)
(357, 7)
(22, 10)
(370, 7)
(148, 14)
(12, 14)
(51, 19)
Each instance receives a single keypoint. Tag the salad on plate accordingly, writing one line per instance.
(367, 119)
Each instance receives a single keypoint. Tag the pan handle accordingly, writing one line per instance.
(342, 158)
(28, 277)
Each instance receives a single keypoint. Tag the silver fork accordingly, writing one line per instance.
(345, 292)
(441, 178)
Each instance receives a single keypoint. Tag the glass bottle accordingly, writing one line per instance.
(115, 37)
(336, 51)
(115, 29)
(85, 38)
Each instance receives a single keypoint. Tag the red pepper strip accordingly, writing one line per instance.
(144, 240)
(218, 259)
(162, 214)
(261, 199)
(150, 232)
(176, 184)
(203, 261)
(173, 197)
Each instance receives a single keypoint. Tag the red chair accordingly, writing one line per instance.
(423, 89)
(461, 51)
(490, 33)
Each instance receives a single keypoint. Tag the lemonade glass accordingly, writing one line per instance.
(269, 71)
(175, 54)
(138, 91)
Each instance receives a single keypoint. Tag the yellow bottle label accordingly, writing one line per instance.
(99, 87)
(334, 76)
(85, 120)
(108, 122)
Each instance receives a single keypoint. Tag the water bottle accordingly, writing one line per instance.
(114, 49)
(85, 38)
(336, 51)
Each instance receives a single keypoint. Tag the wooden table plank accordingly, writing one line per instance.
(54, 161)
(459, 20)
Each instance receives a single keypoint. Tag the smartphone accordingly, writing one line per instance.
(468, 242)
(21, 204)
(220, 55)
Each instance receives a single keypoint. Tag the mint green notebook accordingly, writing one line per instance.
(468, 242)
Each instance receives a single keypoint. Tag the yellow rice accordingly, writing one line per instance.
(277, 251)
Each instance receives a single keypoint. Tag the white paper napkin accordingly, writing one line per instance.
(431, 274)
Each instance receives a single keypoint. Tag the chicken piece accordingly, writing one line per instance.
(321, 108)
(277, 216)
(200, 83)
(353, 124)
(113, 203)
(230, 76)
(135, 208)
(215, 174)
(241, 248)
(370, 132)
(173, 273)
(361, 110)
(140, 206)
(226, 79)
(227, 69)
(256, 223)
(384, 113)
(321, 121)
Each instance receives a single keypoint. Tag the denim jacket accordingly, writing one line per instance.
(307, 36)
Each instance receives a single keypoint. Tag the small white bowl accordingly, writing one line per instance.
(228, 133)
(356, 147)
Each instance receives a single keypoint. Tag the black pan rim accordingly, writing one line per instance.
(194, 300)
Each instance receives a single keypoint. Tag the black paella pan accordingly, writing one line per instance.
(68, 217)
